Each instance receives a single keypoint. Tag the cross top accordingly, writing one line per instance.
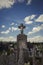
(21, 27)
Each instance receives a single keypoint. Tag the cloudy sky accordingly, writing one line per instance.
(28, 12)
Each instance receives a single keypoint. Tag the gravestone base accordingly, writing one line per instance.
(21, 39)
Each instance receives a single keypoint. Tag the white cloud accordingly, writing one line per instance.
(36, 29)
(36, 39)
(20, 1)
(6, 3)
(3, 26)
(10, 38)
(12, 23)
(32, 17)
(28, 19)
(29, 22)
(16, 24)
(6, 32)
(40, 18)
(10, 29)
(29, 2)
(9, 3)
(14, 29)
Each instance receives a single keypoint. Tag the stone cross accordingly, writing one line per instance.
(21, 27)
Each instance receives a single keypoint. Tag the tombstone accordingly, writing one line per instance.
(21, 44)
(3, 58)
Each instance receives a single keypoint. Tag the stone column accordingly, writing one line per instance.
(21, 44)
